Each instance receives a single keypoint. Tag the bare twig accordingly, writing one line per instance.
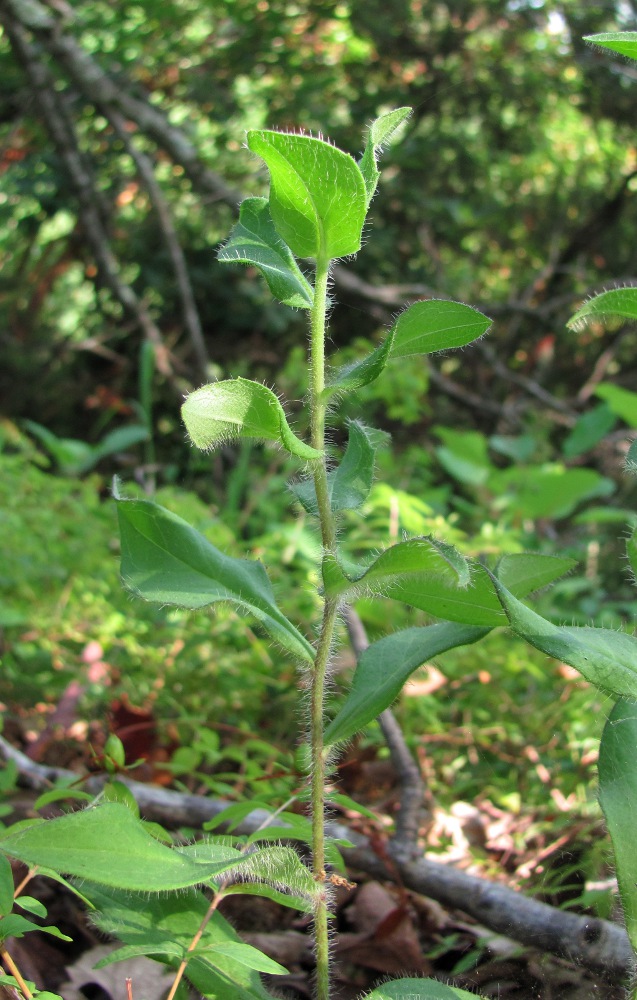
(61, 129)
(184, 285)
(595, 944)
(412, 790)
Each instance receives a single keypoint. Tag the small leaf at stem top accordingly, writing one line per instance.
(380, 132)
(239, 408)
(254, 240)
(317, 194)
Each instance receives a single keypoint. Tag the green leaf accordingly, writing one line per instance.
(7, 887)
(31, 905)
(296, 902)
(419, 989)
(255, 241)
(618, 794)
(281, 868)
(622, 402)
(349, 484)
(589, 430)
(417, 559)
(239, 408)
(436, 325)
(246, 955)
(617, 302)
(318, 201)
(622, 42)
(379, 133)
(605, 658)
(164, 949)
(165, 922)
(14, 925)
(164, 559)
(360, 373)
(107, 844)
(423, 328)
(384, 667)
(478, 604)
(631, 459)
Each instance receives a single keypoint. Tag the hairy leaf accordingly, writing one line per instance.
(379, 133)
(350, 482)
(318, 201)
(419, 989)
(478, 604)
(166, 560)
(415, 560)
(616, 302)
(618, 794)
(605, 658)
(384, 667)
(622, 42)
(254, 240)
(239, 408)
(107, 844)
(436, 325)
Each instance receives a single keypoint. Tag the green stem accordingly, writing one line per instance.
(324, 644)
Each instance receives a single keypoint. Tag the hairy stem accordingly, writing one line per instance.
(324, 645)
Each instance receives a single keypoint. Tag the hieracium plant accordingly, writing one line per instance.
(315, 214)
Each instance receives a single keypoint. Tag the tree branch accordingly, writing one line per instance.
(595, 944)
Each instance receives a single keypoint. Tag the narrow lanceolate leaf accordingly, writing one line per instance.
(618, 794)
(622, 42)
(255, 241)
(436, 325)
(379, 133)
(385, 666)
(318, 201)
(605, 658)
(350, 482)
(620, 302)
(413, 560)
(419, 989)
(423, 328)
(106, 844)
(239, 408)
(165, 560)
(478, 604)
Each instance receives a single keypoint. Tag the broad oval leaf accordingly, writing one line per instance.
(349, 483)
(239, 408)
(605, 658)
(616, 302)
(318, 201)
(618, 794)
(384, 667)
(107, 844)
(419, 989)
(254, 240)
(622, 42)
(379, 133)
(7, 887)
(360, 373)
(436, 325)
(415, 559)
(165, 559)
(244, 954)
